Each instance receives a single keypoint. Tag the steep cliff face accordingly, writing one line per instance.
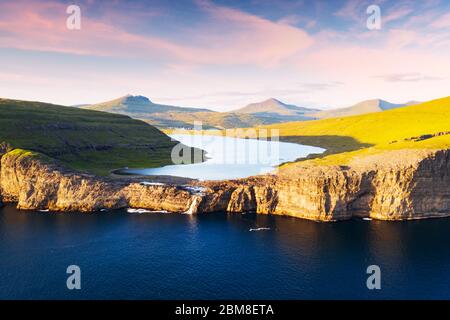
(419, 190)
(36, 184)
(396, 185)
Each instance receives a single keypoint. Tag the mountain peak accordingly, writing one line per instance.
(366, 106)
(272, 100)
(135, 99)
(273, 107)
(375, 101)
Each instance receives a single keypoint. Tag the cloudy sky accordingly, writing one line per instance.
(223, 54)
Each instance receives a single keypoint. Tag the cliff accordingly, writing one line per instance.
(38, 184)
(394, 185)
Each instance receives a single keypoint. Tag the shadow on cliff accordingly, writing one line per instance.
(332, 143)
(430, 195)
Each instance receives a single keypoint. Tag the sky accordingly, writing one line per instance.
(224, 54)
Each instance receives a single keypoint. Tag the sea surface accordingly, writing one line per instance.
(218, 256)
(230, 158)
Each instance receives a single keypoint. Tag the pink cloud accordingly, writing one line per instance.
(354, 9)
(397, 14)
(398, 38)
(41, 26)
(226, 36)
(233, 33)
(352, 62)
(442, 22)
(234, 37)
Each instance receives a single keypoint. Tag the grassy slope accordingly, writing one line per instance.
(99, 142)
(349, 137)
(83, 139)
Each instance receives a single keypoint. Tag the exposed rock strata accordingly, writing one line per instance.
(395, 185)
(37, 185)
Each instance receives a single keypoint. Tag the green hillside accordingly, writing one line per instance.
(83, 139)
(420, 126)
(425, 125)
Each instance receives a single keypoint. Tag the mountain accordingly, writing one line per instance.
(368, 106)
(274, 106)
(166, 116)
(138, 105)
(420, 126)
(83, 139)
(275, 111)
(160, 115)
(270, 111)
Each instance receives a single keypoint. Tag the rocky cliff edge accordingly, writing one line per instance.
(394, 185)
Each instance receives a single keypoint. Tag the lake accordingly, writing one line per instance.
(230, 158)
(216, 256)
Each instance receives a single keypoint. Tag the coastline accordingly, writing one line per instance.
(394, 185)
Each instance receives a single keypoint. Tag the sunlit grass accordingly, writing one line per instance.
(350, 137)
(347, 138)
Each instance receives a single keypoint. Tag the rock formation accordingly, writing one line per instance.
(37, 185)
(394, 185)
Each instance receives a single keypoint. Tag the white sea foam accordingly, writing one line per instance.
(196, 190)
(146, 183)
(131, 210)
(258, 229)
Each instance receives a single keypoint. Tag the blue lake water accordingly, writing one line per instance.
(174, 256)
(231, 158)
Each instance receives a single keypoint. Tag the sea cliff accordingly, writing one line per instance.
(393, 185)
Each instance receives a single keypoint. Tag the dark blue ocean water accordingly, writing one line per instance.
(174, 256)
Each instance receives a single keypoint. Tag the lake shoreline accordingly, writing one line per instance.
(228, 158)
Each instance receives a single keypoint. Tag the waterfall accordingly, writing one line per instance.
(194, 205)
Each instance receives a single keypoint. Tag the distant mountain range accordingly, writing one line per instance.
(368, 106)
(266, 112)
(274, 106)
